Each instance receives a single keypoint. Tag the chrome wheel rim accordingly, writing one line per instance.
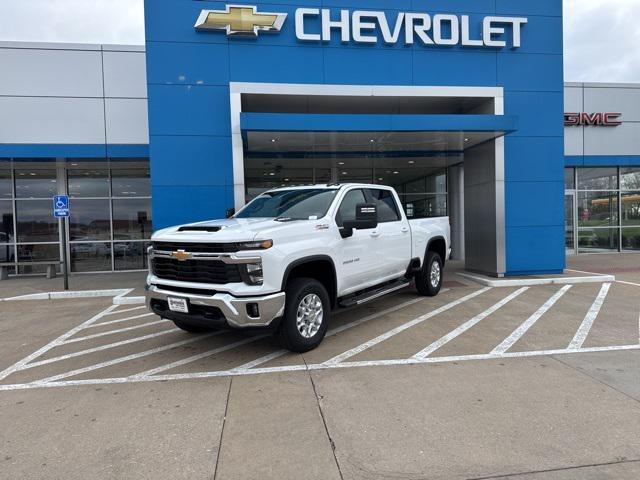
(309, 315)
(434, 275)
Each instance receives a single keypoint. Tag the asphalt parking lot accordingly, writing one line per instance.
(523, 382)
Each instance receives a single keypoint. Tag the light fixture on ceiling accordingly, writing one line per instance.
(380, 179)
(372, 141)
(271, 174)
(340, 163)
(344, 173)
(466, 139)
(274, 140)
(396, 173)
(286, 179)
(411, 162)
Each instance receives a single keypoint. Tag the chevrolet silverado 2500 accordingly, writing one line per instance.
(291, 256)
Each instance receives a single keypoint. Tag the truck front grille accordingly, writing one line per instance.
(196, 247)
(197, 271)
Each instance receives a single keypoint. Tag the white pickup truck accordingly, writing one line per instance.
(290, 257)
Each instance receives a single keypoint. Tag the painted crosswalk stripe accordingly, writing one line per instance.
(127, 358)
(331, 333)
(385, 336)
(111, 332)
(592, 314)
(422, 354)
(197, 357)
(120, 320)
(100, 348)
(529, 322)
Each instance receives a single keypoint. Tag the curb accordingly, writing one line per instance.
(537, 281)
(117, 294)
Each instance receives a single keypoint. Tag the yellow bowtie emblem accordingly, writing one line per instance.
(181, 255)
(240, 20)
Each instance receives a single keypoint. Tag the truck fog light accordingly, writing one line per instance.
(254, 270)
(253, 310)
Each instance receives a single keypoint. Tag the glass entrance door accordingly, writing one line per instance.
(570, 223)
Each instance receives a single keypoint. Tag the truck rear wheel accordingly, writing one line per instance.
(429, 278)
(306, 315)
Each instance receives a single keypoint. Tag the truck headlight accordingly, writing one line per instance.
(254, 273)
(259, 245)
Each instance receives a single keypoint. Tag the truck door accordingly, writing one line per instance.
(392, 237)
(356, 259)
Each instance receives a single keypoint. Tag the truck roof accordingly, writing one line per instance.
(327, 186)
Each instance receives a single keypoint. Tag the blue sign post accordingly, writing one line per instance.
(62, 211)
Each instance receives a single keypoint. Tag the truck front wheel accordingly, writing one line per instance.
(306, 315)
(429, 278)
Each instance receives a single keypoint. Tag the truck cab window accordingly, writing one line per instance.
(347, 210)
(387, 207)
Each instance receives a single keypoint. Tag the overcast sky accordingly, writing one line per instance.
(602, 37)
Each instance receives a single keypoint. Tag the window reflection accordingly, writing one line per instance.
(631, 238)
(133, 182)
(569, 179)
(88, 183)
(631, 208)
(6, 190)
(90, 257)
(130, 255)
(597, 209)
(36, 183)
(36, 222)
(597, 178)
(37, 253)
(131, 219)
(89, 220)
(630, 178)
(597, 239)
(6, 221)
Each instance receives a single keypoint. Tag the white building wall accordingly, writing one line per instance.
(72, 94)
(622, 140)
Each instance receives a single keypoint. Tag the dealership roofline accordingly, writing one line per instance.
(72, 46)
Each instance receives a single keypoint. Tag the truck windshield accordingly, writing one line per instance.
(287, 205)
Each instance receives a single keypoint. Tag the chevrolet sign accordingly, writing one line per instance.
(363, 26)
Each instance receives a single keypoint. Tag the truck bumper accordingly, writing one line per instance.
(219, 309)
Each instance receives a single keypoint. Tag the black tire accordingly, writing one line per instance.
(426, 284)
(288, 334)
(191, 328)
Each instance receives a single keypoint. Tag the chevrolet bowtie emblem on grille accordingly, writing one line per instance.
(181, 255)
(240, 20)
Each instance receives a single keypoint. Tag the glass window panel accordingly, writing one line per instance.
(90, 220)
(569, 179)
(437, 183)
(36, 183)
(597, 209)
(37, 253)
(35, 221)
(6, 190)
(131, 219)
(631, 208)
(7, 253)
(6, 221)
(130, 255)
(597, 239)
(387, 208)
(88, 183)
(598, 178)
(631, 238)
(347, 209)
(90, 257)
(630, 178)
(424, 205)
(132, 182)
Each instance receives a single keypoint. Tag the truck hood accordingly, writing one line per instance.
(228, 230)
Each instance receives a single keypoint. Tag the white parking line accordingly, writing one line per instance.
(381, 338)
(320, 366)
(332, 332)
(517, 334)
(58, 341)
(126, 310)
(99, 349)
(111, 332)
(128, 358)
(120, 320)
(422, 354)
(587, 323)
(195, 358)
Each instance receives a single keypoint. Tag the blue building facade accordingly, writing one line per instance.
(192, 75)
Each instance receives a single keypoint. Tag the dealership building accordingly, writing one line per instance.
(456, 104)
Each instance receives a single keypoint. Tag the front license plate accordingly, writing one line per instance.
(178, 305)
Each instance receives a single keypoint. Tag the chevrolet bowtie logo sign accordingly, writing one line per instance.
(181, 255)
(239, 20)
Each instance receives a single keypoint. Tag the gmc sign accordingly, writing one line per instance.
(592, 119)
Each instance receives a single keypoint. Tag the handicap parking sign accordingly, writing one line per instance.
(61, 206)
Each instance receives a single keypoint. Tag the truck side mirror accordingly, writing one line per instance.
(366, 218)
(230, 212)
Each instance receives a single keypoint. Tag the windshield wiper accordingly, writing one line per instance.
(286, 219)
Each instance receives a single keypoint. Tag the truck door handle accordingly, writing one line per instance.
(375, 233)
(404, 229)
